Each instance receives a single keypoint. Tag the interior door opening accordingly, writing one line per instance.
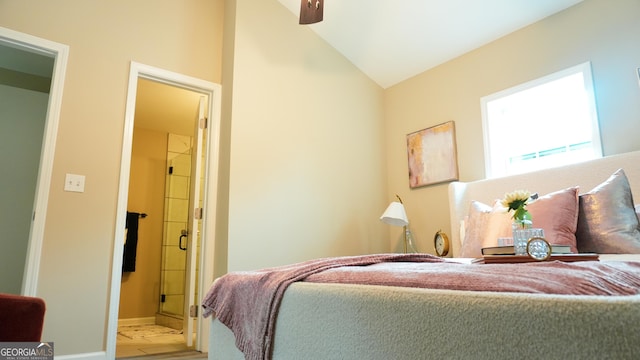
(23, 114)
(32, 72)
(141, 74)
(158, 286)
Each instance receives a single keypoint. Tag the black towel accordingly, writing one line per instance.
(129, 257)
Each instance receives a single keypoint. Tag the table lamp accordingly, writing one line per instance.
(396, 215)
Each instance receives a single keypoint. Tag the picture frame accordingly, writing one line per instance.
(432, 155)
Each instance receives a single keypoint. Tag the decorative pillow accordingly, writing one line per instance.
(607, 221)
(483, 228)
(556, 213)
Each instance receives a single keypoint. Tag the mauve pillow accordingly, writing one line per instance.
(556, 213)
(607, 221)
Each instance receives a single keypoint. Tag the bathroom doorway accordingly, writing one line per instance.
(171, 176)
(165, 184)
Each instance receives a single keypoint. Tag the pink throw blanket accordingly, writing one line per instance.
(247, 302)
(553, 277)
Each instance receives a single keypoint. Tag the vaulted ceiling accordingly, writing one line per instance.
(393, 40)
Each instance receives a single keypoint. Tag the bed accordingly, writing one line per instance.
(353, 321)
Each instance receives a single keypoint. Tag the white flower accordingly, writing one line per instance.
(517, 201)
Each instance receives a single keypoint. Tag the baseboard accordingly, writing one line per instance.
(137, 321)
(86, 356)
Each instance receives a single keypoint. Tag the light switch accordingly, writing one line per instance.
(73, 182)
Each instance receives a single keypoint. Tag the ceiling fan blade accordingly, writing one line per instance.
(311, 11)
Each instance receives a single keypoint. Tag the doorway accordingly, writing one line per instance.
(184, 242)
(164, 167)
(32, 72)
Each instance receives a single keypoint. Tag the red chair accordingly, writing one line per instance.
(21, 318)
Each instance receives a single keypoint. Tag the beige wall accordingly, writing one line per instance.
(103, 37)
(601, 31)
(307, 176)
(139, 290)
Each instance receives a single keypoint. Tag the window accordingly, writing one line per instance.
(544, 123)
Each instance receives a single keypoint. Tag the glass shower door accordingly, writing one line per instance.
(182, 227)
(176, 220)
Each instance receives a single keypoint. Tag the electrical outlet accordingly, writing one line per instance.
(74, 183)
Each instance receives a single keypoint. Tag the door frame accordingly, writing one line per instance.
(213, 91)
(60, 53)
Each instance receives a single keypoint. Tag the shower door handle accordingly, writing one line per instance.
(183, 234)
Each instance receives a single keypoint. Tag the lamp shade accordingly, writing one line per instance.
(395, 215)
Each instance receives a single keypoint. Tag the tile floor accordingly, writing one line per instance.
(158, 344)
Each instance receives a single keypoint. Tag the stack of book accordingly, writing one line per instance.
(508, 250)
(506, 254)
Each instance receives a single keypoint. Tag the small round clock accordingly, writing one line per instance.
(538, 248)
(441, 243)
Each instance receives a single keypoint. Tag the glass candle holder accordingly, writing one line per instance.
(522, 235)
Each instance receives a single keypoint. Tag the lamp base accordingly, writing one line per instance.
(409, 245)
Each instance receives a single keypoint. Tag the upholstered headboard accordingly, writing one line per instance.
(586, 175)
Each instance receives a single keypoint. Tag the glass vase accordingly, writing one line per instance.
(521, 235)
